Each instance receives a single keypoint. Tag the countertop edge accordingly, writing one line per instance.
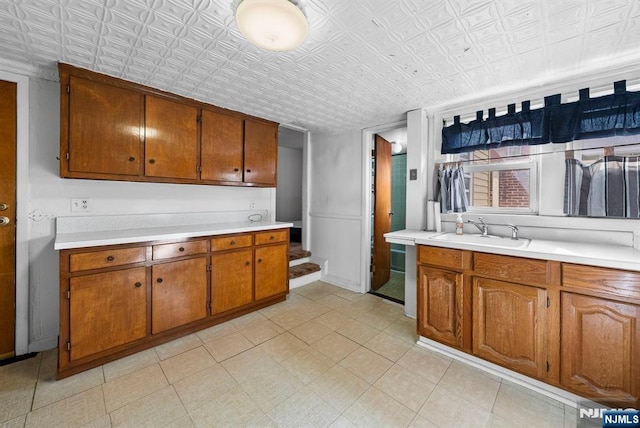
(422, 238)
(67, 241)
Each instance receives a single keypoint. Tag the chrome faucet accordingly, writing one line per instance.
(514, 231)
(482, 226)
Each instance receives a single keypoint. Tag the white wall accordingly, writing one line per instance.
(49, 198)
(336, 178)
(289, 190)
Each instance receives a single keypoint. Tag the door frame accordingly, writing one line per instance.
(22, 210)
(368, 143)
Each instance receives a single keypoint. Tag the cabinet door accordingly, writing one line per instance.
(105, 126)
(439, 305)
(222, 147)
(179, 291)
(509, 325)
(231, 280)
(272, 271)
(260, 152)
(106, 310)
(601, 349)
(171, 139)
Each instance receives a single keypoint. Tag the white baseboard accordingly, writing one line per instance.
(547, 390)
(342, 283)
(43, 345)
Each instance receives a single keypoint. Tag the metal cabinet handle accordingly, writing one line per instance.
(259, 260)
(236, 169)
(181, 249)
(247, 263)
(3, 207)
(271, 238)
(138, 284)
(159, 280)
(152, 161)
(4, 221)
(110, 258)
(248, 170)
(232, 243)
(131, 158)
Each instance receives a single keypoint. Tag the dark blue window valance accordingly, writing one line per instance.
(606, 116)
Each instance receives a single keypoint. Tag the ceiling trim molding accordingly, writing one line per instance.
(29, 70)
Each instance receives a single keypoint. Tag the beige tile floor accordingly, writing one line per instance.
(325, 357)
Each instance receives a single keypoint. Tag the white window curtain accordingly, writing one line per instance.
(451, 190)
(609, 187)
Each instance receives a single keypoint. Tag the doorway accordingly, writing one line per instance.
(8, 148)
(388, 166)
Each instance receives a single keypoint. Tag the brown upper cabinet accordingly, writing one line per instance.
(111, 129)
(260, 148)
(105, 129)
(237, 150)
(171, 135)
(222, 147)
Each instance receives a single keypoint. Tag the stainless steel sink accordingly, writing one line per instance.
(480, 240)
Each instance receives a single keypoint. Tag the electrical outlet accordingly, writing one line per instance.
(252, 205)
(80, 205)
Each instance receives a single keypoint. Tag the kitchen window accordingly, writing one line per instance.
(502, 180)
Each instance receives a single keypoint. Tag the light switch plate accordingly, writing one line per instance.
(413, 174)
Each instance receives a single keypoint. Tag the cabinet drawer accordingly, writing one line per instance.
(271, 236)
(106, 258)
(167, 251)
(613, 281)
(441, 257)
(515, 269)
(231, 242)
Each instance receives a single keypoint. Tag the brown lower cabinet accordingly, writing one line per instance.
(231, 280)
(601, 348)
(118, 300)
(509, 325)
(179, 293)
(575, 327)
(107, 310)
(439, 305)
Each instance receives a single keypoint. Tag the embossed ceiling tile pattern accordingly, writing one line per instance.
(364, 61)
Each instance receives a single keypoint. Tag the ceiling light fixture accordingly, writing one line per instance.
(274, 25)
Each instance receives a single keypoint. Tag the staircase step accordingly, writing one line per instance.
(298, 253)
(303, 269)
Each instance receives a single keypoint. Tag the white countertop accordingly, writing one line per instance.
(612, 256)
(66, 241)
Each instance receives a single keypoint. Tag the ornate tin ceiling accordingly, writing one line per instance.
(364, 62)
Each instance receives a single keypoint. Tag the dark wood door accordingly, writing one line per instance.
(171, 139)
(509, 325)
(381, 252)
(260, 152)
(222, 147)
(105, 128)
(8, 132)
(106, 310)
(231, 280)
(179, 291)
(440, 305)
(272, 270)
(601, 349)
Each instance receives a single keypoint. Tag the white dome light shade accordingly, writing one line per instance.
(274, 25)
(396, 148)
